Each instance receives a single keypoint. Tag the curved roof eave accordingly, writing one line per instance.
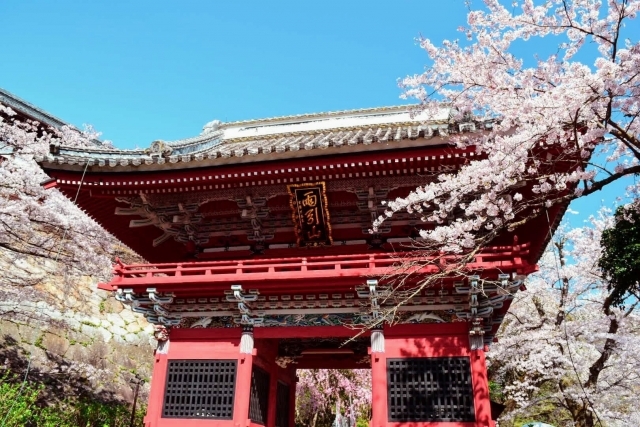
(307, 135)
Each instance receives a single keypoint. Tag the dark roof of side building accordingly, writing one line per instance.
(23, 107)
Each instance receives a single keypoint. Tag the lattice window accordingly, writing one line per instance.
(430, 389)
(200, 389)
(259, 402)
(282, 405)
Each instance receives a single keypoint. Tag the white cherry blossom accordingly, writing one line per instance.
(562, 127)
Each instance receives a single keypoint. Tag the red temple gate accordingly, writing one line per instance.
(263, 263)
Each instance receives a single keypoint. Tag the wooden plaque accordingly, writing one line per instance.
(310, 214)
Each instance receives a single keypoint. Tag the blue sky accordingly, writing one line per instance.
(145, 70)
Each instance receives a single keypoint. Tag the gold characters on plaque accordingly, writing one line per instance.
(310, 214)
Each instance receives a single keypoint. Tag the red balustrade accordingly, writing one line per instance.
(321, 270)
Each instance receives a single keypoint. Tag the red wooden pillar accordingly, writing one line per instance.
(273, 391)
(243, 380)
(159, 378)
(481, 389)
(379, 415)
(243, 391)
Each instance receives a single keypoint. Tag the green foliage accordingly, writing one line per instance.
(21, 401)
(495, 391)
(620, 259)
(39, 341)
(22, 406)
(546, 409)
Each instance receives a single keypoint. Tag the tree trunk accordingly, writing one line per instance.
(564, 290)
(580, 413)
(584, 418)
(607, 351)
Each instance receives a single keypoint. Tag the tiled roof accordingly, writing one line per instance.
(31, 111)
(280, 135)
(22, 106)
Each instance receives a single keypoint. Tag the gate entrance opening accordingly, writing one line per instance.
(422, 374)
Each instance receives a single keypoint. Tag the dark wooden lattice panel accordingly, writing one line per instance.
(430, 389)
(200, 389)
(282, 405)
(259, 402)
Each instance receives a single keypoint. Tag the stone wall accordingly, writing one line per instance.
(77, 338)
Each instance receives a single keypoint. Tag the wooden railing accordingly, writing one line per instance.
(317, 268)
